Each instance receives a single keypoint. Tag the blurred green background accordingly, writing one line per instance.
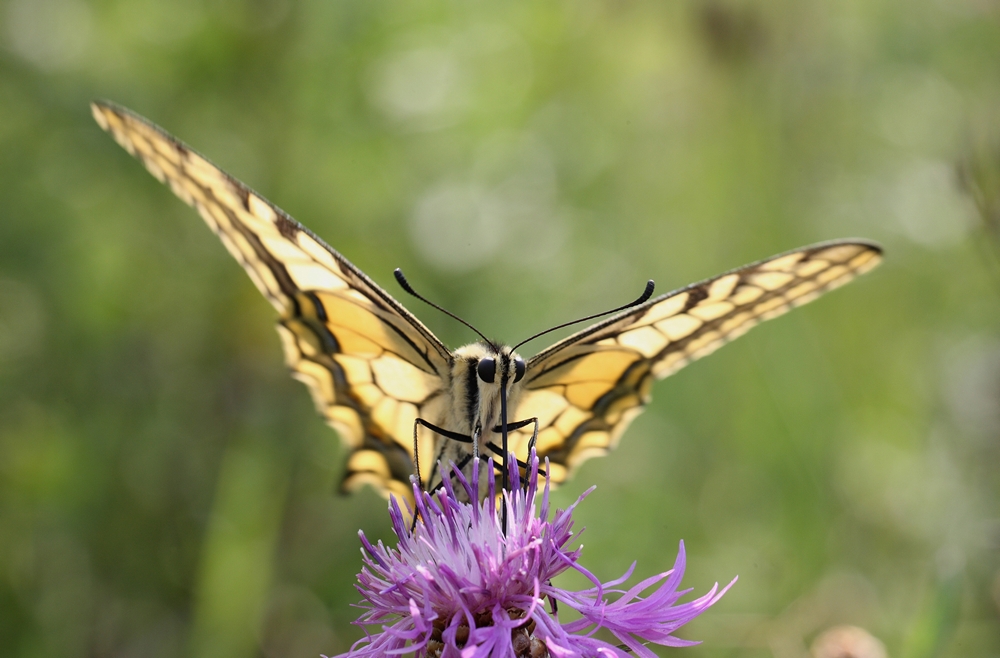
(167, 490)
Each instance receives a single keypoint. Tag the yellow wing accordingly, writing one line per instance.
(370, 365)
(586, 389)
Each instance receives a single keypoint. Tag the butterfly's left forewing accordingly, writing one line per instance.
(586, 389)
(370, 365)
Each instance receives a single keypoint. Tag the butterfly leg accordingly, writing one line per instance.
(520, 424)
(448, 434)
(497, 450)
(460, 464)
(440, 485)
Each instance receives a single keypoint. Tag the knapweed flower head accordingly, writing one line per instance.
(469, 581)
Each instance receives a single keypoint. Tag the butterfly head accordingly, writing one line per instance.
(492, 365)
(500, 365)
(482, 374)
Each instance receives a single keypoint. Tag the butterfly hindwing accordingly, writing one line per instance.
(586, 389)
(370, 365)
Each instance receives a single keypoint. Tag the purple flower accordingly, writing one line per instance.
(457, 586)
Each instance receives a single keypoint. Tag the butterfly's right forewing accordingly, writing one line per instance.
(370, 366)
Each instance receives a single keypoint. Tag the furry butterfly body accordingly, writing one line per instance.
(397, 395)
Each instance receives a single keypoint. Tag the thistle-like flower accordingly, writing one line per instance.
(462, 585)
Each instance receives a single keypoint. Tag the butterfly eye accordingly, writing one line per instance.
(487, 369)
(518, 369)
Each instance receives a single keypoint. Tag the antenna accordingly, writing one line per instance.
(646, 294)
(405, 285)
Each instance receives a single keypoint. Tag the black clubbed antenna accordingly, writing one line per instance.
(646, 294)
(405, 285)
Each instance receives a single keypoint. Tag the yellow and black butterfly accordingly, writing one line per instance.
(378, 375)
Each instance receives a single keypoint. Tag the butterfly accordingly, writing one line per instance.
(400, 398)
